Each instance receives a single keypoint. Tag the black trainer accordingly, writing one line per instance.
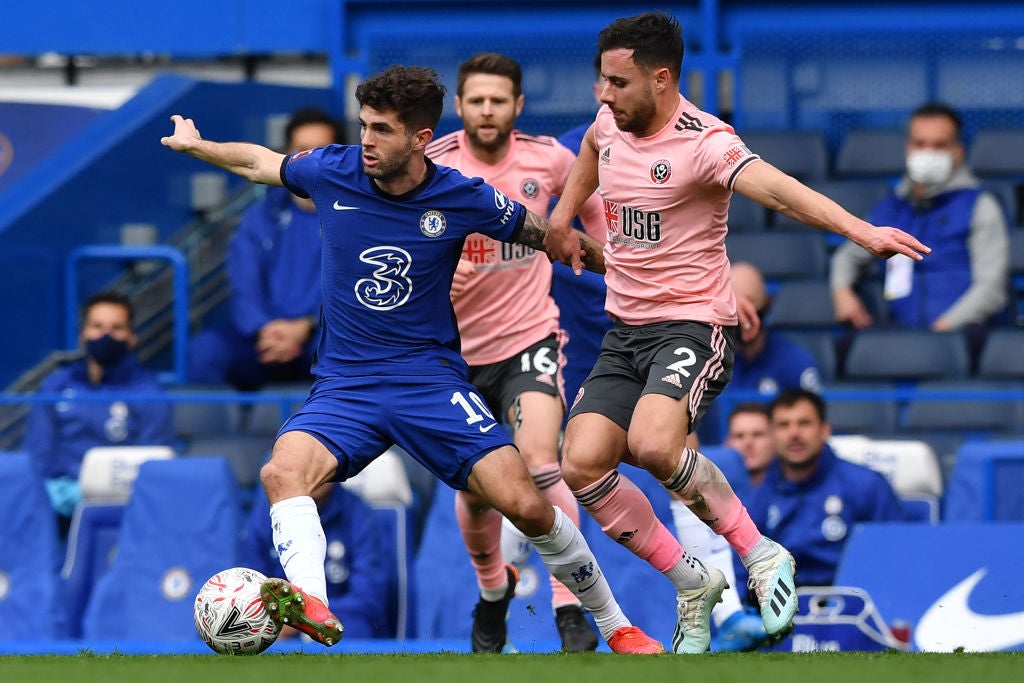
(489, 628)
(574, 629)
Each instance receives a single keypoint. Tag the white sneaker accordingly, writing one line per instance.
(771, 580)
(692, 635)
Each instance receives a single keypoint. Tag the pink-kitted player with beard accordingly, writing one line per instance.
(666, 172)
(508, 322)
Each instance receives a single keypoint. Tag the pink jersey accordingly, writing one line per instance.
(666, 200)
(507, 305)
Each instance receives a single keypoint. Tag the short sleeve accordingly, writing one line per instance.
(495, 213)
(721, 156)
(300, 171)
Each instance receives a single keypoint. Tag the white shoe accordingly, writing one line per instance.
(771, 580)
(693, 630)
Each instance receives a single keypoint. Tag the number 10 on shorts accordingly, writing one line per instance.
(473, 406)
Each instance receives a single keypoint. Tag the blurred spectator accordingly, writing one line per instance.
(766, 363)
(810, 499)
(361, 577)
(58, 434)
(274, 271)
(750, 435)
(940, 201)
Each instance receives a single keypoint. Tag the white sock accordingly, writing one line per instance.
(301, 544)
(764, 549)
(698, 538)
(570, 560)
(515, 547)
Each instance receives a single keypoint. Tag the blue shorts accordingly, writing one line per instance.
(439, 419)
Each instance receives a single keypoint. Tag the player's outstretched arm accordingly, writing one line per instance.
(772, 188)
(253, 162)
(590, 253)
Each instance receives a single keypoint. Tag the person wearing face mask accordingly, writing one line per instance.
(940, 201)
(57, 435)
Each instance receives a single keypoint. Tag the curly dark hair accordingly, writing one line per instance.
(415, 93)
(655, 38)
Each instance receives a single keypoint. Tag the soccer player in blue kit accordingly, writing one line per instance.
(388, 368)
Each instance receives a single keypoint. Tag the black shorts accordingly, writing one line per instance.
(674, 359)
(536, 368)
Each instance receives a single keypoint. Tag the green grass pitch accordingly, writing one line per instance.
(889, 667)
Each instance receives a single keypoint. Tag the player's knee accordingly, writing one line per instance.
(653, 453)
(533, 515)
(577, 474)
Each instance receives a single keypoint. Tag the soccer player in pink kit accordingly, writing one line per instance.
(666, 171)
(509, 327)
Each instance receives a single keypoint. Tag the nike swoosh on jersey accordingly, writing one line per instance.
(950, 623)
(342, 207)
(484, 430)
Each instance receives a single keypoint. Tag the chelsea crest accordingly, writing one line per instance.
(433, 223)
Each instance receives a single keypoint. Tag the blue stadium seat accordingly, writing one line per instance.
(869, 416)
(856, 196)
(802, 304)
(396, 520)
(31, 606)
(908, 355)
(180, 528)
(821, 344)
(781, 255)
(92, 547)
(1007, 191)
(869, 152)
(246, 453)
(202, 420)
(802, 154)
(745, 215)
(1001, 357)
(971, 415)
(997, 153)
(1017, 275)
(987, 483)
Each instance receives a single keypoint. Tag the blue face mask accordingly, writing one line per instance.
(106, 350)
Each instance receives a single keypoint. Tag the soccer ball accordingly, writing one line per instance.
(230, 616)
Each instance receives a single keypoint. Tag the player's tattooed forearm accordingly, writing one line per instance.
(534, 229)
(593, 257)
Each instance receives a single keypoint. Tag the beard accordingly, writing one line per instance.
(642, 115)
(390, 166)
(501, 137)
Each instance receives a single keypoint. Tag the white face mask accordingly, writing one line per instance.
(929, 166)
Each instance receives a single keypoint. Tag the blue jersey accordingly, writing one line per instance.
(813, 518)
(58, 435)
(781, 365)
(388, 261)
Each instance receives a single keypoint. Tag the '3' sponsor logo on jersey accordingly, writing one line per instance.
(388, 285)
